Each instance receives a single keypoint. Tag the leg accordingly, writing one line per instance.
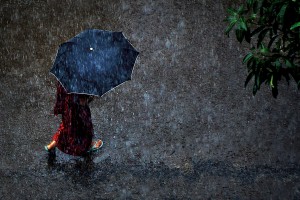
(51, 145)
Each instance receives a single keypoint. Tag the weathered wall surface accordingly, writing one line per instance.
(185, 108)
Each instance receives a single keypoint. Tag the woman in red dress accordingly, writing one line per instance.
(75, 133)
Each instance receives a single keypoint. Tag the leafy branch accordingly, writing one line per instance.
(274, 27)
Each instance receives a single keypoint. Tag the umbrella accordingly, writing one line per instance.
(94, 61)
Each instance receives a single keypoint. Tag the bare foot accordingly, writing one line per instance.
(96, 145)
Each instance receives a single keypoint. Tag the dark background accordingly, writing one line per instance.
(184, 127)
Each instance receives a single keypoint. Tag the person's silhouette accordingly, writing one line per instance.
(75, 133)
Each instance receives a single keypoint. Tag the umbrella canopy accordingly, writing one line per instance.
(94, 61)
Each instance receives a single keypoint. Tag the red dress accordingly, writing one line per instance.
(75, 133)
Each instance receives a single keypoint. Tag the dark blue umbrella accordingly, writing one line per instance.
(94, 61)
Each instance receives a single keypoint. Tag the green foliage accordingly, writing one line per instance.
(272, 28)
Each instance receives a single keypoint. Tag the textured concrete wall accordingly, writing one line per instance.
(185, 108)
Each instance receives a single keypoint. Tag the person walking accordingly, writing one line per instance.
(75, 133)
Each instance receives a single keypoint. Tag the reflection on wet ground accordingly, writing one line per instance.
(66, 177)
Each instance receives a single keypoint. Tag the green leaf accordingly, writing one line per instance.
(247, 57)
(277, 65)
(231, 11)
(231, 19)
(252, 17)
(250, 3)
(257, 30)
(281, 13)
(240, 10)
(288, 63)
(228, 29)
(239, 35)
(251, 64)
(271, 82)
(254, 89)
(295, 25)
(261, 36)
(255, 7)
(242, 24)
(263, 49)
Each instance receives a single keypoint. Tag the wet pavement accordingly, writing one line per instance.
(62, 176)
(184, 127)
